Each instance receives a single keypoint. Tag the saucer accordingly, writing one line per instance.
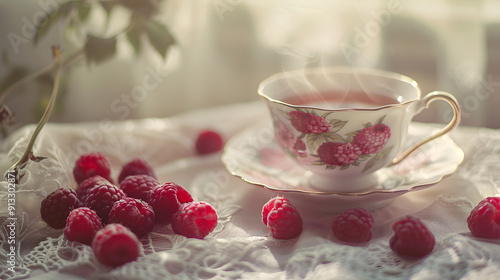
(254, 156)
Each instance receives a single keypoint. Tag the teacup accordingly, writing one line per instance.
(344, 123)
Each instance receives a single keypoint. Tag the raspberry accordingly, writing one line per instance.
(101, 199)
(115, 245)
(135, 214)
(194, 220)
(309, 123)
(282, 218)
(136, 166)
(411, 238)
(353, 225)
(484, 219)
(81, 225)
(339, 154)
(139, 186)
(166, 199)
(373, 138)
(87, 184)
(56, 207)
(91, 164)
(208, 141)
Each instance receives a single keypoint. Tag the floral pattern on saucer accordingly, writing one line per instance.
(266, 165)
(319, 137)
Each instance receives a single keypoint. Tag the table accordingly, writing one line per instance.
(241, 247)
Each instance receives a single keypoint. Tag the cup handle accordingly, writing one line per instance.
(428, 99)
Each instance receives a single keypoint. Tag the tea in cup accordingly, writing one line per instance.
(344, 123)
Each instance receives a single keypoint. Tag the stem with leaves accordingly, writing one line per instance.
(28, 153)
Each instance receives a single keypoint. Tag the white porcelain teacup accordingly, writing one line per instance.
(345, 123)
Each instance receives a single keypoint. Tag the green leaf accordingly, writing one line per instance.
(160, 37)
(337, 125)
(382, 154)
(45, 24)
(52, 18)
(315, 140)
(344, 167)
(350, 136)
(326, 115)
(371, 163)
(377, 158)
(364, 157)
(134, 38)
(83, 11)
(379, 121)
(99, 49)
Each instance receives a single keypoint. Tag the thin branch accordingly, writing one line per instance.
(48, 111)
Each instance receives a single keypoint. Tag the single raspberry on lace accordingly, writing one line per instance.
(309, 123)
(137, 166)
(338, 154)
(91, 164)
(135, 214)
(208, 141)
(101, 199)
(353, 225)
(484, 219)
(139, 186)
(373, 138)
(411, 238)
(82, 225)
(56, 207)
(84, 187)
(115, 245)
(166, 199)
(194, 220)
(282, 218)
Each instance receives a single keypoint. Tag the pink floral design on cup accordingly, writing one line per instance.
(338, 154)
(372, 138)
(309, 123)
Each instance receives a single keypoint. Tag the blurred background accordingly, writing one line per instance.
(224, 48)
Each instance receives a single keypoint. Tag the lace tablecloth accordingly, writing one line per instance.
(240, 247)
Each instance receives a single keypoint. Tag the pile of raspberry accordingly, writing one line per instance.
(112, 217)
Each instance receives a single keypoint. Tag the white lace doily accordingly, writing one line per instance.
(240, 247)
